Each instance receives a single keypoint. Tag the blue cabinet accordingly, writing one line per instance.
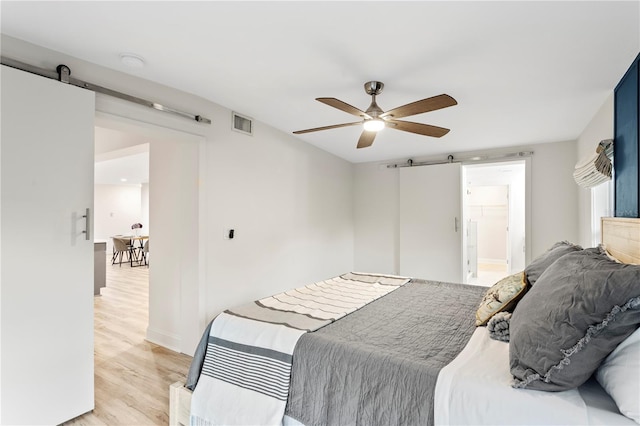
(626, 152)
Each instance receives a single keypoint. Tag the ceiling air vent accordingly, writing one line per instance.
(242, 124)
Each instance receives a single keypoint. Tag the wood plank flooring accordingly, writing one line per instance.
(132, 376)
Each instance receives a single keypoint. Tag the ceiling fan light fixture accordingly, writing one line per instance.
(374, 125)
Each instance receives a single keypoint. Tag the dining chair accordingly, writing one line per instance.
(120, 247)
(145, 253)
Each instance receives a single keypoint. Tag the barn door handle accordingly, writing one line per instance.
(455, 224)
(87, 225)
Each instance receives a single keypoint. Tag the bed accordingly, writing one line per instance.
(396, 361)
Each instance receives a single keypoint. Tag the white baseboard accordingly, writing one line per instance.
(167, 340)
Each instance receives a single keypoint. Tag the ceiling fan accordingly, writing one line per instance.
(375, 119)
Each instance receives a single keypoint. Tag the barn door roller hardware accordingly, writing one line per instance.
(63, 74)
(450, 159)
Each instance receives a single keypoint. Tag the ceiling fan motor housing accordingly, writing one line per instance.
(373, 87)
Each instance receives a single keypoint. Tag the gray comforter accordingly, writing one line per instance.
(379, 365)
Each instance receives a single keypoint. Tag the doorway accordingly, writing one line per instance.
(494, 221)
(176, 221)
(121, 185)
(148, 314)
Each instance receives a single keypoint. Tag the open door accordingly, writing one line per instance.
(47, 255)
(430, 228)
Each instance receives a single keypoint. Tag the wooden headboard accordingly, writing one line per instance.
(621, 237)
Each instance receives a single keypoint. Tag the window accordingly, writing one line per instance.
(601, 206)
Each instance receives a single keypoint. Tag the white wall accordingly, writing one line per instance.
(517, 226)
(600, 127)
(554, 196)
(376, 209)
(553, 205)
(290, 206)
(489, 207)
(109, 140)
(144, 208)
(116, 208)
(290, 202)
(174, 246)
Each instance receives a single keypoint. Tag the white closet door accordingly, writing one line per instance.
(430, 228)
(46, 177)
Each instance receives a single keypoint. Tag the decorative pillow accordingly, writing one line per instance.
(619, 375)
(502, 296)
(580, 309)
(535, 269)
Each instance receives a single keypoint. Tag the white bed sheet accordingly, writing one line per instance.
(475, 388)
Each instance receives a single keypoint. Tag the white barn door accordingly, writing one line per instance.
(46, 156)
(430, 228)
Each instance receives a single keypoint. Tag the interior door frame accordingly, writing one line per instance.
(510, 219)
(527, 207)
(192, 293)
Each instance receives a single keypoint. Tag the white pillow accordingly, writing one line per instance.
(619, 375)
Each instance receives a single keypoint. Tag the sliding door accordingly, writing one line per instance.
(46, 185)
(430, 228)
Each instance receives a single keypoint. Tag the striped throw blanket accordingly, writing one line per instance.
(247, 366)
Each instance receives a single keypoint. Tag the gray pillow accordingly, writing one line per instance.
(580, 309)
(535, 269)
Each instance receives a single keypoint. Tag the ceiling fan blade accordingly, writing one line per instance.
(418, 107)
(366, 139)
(335, 126)
(343, 106)
(419, 128)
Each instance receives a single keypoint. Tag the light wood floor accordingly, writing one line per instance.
(132, 376)
(488, 274)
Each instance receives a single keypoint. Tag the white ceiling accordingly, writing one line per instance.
(125, 170)
(120, 158)
(522, 72)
